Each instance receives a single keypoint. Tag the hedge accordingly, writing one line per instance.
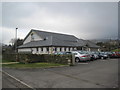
(9, 57)
(31, 58)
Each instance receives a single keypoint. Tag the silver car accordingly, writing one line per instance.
(81, 56)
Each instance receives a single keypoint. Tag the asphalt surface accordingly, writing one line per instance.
(8, 82)
(0, 80)
(94, 74)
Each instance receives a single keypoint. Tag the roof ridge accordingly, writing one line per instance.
(51, 32)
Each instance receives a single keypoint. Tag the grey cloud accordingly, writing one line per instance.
(86, 20)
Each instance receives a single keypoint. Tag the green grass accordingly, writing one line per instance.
(116, 50)
(32, 65)
(5, 61)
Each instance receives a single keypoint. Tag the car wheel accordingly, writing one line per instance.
(102, 57)
(77, 59)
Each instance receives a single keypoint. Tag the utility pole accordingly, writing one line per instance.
(16, 40)
(110, 45)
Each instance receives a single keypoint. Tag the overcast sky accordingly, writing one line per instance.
(86, 20)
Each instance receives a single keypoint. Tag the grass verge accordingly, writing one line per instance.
(116, 50)
(5, 61)
(32, 65)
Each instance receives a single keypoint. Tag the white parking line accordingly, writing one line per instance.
(103, 60)
(82, 63)
(18, 80)
(114, 59)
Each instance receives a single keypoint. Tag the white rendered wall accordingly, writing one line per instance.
(34, 51)
(28, 39)
(71, 49)
(67, 49)
(36, 38)
(58, 49)
(39, 50)
(44, 50)
(24, 50)
(62, 49)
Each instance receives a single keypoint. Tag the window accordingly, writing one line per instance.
(47, 48)
(41, 48)
(75, 53)
(69, 48)
(31, 50)
(64, 49)
(60, 49)
(55, 49)
(37, 49)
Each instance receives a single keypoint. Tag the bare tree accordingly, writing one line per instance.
(12, 41)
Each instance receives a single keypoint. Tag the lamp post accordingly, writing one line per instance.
(16, 40)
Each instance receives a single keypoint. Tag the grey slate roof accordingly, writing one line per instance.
(91, 44)
(64, 37)
(54, 39)
(36, 44)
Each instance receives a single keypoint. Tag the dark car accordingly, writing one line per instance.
(109, 54)
(103, 55)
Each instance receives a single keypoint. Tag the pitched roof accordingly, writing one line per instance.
(91, 44)
(44, 34)
(36, 44)
(53, 39)
(56, 39)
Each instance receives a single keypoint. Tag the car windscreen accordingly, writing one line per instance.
(81, 52)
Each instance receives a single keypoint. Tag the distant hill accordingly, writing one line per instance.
(100, 40)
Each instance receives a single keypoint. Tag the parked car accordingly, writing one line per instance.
(68, 52)
(109, 54)
(81, 56)
(118, 54)
(90, 53)
(115, 55)
(59, 53)
(103, 55)
(95, 55)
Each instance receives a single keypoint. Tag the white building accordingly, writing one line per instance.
(42, 42)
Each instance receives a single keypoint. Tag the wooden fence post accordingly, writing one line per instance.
(73, 60)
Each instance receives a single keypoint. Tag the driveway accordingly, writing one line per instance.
(94, 74)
